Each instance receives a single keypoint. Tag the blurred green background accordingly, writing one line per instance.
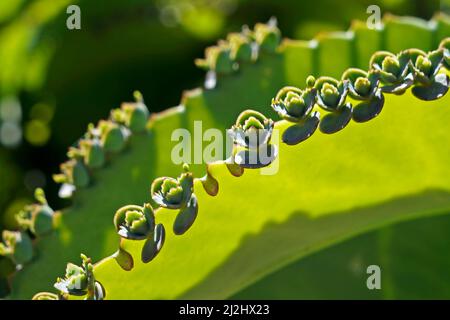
(54, 81)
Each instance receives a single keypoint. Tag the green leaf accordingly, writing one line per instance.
(322, 193)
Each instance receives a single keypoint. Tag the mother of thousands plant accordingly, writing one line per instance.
(326, 103)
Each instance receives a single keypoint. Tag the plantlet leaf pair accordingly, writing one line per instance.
(138, 223)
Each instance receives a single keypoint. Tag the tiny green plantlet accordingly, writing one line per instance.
(78, 281)
(132, 115)
(251, 136)
(296, 105)
(394, 71)
(138, 223)
(430, 83)
(331, 97)
(326, 103)
(267, 36)
(73, 172)
(37, 218)
(177, 194)
(364, 87)
(91, 151)
(240, 47)
(112, 136)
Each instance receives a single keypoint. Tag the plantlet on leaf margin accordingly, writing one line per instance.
(112, 135)
(16, 247)
(240, 46)
(179, 194)
(133, 115)
(394, 71)
(251, 136)
(429, 83)
(38, 217)
(92, 152)
(267, 35)
(73, 172)
(138, 223)
(78, 281)
(217, 58)
(295, 105)
(331, 95)
(364, 86)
